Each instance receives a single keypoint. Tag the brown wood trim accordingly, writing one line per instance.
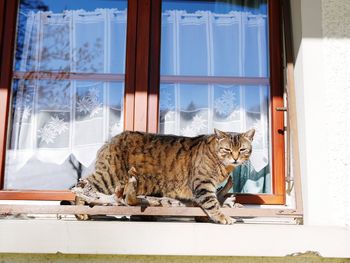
(58, 195)
(154, 79)
(260, 199)
(277, 117)
(3, 94)
(54, 195)
(154, 60)
(214, 80)
(154, 67)
(9, 30)
(130, 64)
(2, 21)
(142, 65)
(137, 210)
(140, 60)
(67, 76)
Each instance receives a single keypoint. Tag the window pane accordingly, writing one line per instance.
(61, 118)
(190, 110)
(55, 122)
(76, 36)
(215, 38)
(221, 39)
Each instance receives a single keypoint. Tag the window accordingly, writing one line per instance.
(215, 74)
(180, 67)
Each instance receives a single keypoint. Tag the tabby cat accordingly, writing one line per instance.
(183, 168)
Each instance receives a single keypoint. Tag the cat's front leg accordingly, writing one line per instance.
(205, 196)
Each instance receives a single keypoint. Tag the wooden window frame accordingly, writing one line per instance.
(142, 78)
(275, 81)
(8, 12)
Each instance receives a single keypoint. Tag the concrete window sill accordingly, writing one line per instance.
(168, 238)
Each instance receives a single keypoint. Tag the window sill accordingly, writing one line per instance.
(168, 238)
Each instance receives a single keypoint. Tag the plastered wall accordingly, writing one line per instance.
(321, 31)
(336, 52)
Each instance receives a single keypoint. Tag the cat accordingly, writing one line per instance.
(178, 167)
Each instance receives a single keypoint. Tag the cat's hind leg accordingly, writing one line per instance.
(227, 199)
(83, 217)
(130, 189)
(131, 198)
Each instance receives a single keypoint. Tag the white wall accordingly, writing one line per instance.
(321, 31)
(336, 51)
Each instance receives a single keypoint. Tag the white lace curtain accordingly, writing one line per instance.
(55, 118)
(204, 43)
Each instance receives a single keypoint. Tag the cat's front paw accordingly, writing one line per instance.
(224, 220)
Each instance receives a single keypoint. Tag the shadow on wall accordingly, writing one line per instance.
(314, 22)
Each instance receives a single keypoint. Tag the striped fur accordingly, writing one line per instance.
(177, 167)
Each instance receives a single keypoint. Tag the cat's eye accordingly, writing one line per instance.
(242, 149)
(226, 149)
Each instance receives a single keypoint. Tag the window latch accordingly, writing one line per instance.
(281, 108)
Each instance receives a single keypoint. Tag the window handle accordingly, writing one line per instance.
(281, 108)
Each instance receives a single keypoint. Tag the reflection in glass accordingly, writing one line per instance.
(58, 122)
(49, 132)
(215, 38)
(75, 36)
(221, 39)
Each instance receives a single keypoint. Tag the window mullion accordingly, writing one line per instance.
(142, 65)
(154, 67)
(129, 97)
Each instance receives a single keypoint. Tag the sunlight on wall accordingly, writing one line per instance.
(336, 53)
(322, 61)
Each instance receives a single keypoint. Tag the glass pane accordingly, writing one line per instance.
(76, 36)
(57, 121)
(190, 110)
(215, 38)
(218, 38)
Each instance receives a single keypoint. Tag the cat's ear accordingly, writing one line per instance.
(249, 134)
(219, 134)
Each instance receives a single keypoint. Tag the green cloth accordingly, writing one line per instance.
(247, 180)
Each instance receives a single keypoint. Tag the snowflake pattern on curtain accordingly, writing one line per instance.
(226, 103)
(90, 104)
(197, 126)
(57, 117)
(52, 129)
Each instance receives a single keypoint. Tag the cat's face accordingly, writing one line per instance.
(234, 149)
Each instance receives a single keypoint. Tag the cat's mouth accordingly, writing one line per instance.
(235, 163)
